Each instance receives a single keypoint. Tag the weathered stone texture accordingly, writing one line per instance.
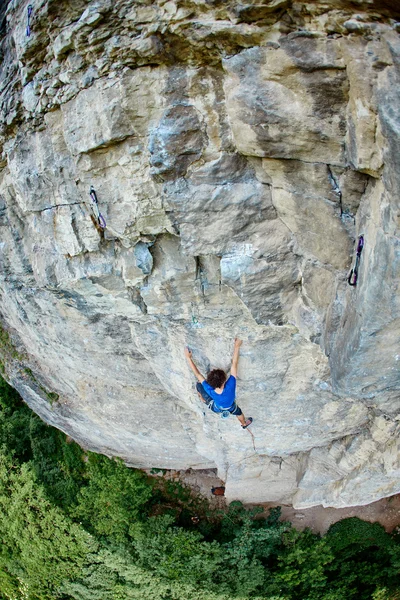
(237, 152)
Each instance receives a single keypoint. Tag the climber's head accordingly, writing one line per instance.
(216, 378)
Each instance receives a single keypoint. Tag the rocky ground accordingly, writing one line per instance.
(317, 518)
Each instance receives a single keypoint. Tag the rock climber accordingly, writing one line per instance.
(218, 391)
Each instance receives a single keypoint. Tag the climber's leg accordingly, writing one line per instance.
(238, 413)
(247, 423)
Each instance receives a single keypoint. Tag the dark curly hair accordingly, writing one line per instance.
(216, 378)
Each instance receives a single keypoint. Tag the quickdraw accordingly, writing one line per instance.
(95, 209)
(352, 279)
(335, 187)
(28, 27)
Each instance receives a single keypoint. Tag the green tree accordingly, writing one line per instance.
(40, 547)
(250, 545)
(48, 486)
(385, 594)
(115, 576)
(176, 553)
(58, 464)
(114, 497)
(301, 569)
(14, 422)
(366, 558)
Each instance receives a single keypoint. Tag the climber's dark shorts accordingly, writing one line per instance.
(233, 410)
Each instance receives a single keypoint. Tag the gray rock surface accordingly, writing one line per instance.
(237, 152)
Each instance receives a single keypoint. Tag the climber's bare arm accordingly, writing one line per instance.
(188, 354)
(235, 358)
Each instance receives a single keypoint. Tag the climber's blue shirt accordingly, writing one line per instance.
(227, 398)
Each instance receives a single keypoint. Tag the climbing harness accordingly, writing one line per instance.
(222, 412)
(28, 27)
(352, 279)
(95, 209)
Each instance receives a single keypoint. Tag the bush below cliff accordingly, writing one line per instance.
(82, 526)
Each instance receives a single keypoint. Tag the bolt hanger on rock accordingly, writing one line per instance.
(100, 220)
(352, 279)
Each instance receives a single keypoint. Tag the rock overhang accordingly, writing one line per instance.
(217, 142)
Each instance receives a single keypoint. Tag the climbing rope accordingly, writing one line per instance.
(28, 27)
(352, 279)
(252, 439)
(95, 209)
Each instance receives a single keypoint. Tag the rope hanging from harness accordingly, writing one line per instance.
(352, 279)
(28, 27)
(100, 220)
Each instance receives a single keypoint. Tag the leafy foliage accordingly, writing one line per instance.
(57, 463)
(302, 569)
(352, 536)
(176, 553)
(40, 546)
(7, 349)
(80, 526)
(368, 556)
(113, 498)
(14, 422)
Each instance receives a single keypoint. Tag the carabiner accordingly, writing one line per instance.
(28, 27)
(93, 195)
(352, 278)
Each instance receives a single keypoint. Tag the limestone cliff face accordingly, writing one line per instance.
(238, 150)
